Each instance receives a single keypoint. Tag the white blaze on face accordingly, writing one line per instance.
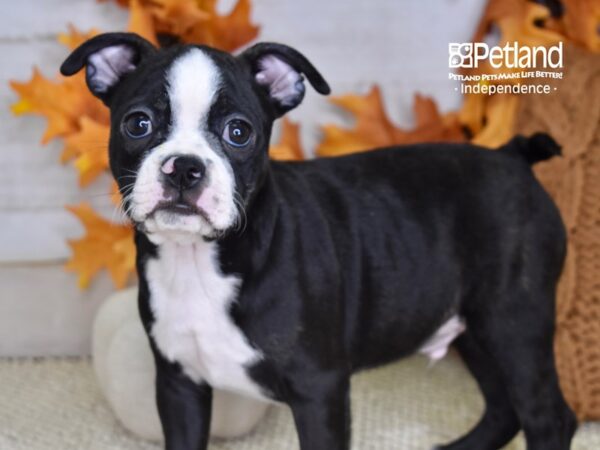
(193, 82)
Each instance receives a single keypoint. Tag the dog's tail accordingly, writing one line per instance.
(538, 147)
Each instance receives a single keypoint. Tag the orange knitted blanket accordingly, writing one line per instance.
(572, 117)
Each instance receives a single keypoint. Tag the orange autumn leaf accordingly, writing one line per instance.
(288, 148)
(115, 193)
(178, 17)
(195, 21)
(227, 32)
(89, 148)
(62, 102)
(472, 113)
(490, 118)
(73, 113)
(431, 125)
(524, 29)
(374, 129)
(141, 22)
(517, 21)
(582, 22)
(501, 111)
(123, 3)
(74, 38)
(104, 246)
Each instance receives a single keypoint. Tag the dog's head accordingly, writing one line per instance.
(190, 125)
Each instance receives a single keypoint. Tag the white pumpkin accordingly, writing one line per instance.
(124, 366)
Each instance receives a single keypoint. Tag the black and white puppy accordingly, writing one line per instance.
(279, 280)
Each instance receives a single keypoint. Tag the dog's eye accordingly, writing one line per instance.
(137, 125)
(237, 133)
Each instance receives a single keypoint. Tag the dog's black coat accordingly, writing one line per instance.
(347, 263)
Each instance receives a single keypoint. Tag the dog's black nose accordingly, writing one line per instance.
(183, 172)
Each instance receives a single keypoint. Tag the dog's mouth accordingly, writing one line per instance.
(178, 220)
(179, 207)
(176, 208)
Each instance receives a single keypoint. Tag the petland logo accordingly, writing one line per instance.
(512, 55)
(510, 64)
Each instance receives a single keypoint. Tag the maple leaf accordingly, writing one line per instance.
(374, 129)
(195, 21)
(141, 22)
(581, 21)
(104, 246)
(123, 3)
(431, 125)
(517, 21)
(74, 38)
(490, 118)
(288, 148)
(115, 194)
(89, 148)
(500, 114)
(227, 32)
(62, 102)
(472, 113)
(178, 17)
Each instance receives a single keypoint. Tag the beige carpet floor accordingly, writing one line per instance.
(55, 404)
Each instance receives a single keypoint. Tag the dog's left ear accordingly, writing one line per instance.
(279, 69)
(107, 58)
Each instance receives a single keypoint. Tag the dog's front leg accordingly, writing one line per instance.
(322, 416)
(184, 408)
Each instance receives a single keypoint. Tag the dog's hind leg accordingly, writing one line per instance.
(517, 331)
(523, 348)
(499, 423)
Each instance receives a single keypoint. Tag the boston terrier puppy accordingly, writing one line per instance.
(279, 280)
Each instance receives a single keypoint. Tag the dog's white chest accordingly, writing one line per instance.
(190, 297)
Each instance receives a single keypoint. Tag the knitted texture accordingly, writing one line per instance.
(572, 116)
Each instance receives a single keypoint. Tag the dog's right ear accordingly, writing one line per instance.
(279, 70)
(107, 59)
